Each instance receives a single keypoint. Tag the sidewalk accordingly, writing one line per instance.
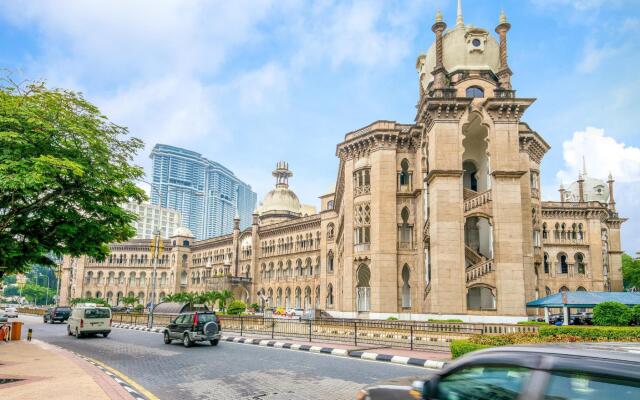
(48, 372)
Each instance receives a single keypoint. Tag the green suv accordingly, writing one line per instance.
(196, 326)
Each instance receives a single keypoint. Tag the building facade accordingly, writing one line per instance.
(206, 194)
(439, 218)
(152, 218)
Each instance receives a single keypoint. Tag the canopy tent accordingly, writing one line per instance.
(177, 308)
(568, 300)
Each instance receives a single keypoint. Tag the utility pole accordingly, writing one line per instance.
(156, 246)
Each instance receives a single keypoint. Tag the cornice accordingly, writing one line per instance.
(442, 110)
(507, 110)
(508, 174)
(451, 173)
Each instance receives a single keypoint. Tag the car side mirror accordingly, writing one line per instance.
(429, 388)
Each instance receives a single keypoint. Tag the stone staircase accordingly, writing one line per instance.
(479, 200)
(473, 256)
(481, 270)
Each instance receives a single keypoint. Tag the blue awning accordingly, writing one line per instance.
(585, 299)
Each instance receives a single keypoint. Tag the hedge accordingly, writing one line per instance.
(444, 320)
(594, 333)
(236, 307)
(460, 347)
(532, 323)
(611, 313)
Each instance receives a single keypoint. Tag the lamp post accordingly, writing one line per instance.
(154, 261)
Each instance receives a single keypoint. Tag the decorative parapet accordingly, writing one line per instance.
(507, 110)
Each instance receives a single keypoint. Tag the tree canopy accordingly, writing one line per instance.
(630, 271)
(65, 171)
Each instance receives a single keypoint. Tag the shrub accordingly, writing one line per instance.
(460, 347)
(236, 307)
(139, 308)
(611, 313)
(532, 323)
(590, 333)
(444, 320)
(635, 314)
(506, 339)
(392, 319)
(255, 306)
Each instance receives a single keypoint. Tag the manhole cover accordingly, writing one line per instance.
(9, 380)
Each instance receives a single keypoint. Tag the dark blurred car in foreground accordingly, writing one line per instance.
(56, 314)
(575, 371)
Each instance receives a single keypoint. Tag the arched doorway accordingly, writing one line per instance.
(481, 298)
(406, 289)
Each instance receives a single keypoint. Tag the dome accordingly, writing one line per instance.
(280, 203)
(464, 47)
(280, 199)
(594, 190)
(182, 231)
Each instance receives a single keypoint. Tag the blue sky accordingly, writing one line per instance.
(247, 83)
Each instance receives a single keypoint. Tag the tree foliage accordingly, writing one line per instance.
(65, 171)
(630, 271)
(90, 300)
(129, 300)
(236, 307)
(611, 313)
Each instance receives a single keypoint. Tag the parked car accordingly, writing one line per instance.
(11, 312)
(56, 314)
(191, 327)
(585, 371)
(3, 317)
(89, 319)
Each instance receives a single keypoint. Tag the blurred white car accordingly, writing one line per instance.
(11, 312)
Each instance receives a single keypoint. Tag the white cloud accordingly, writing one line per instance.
(593, 56)
(580, 5)
(603, 154)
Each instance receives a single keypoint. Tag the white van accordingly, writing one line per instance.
(89, 319)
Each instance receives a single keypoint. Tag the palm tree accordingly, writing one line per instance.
(211, 297)
(223, 297)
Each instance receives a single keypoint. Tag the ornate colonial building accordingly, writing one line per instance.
(440, 217)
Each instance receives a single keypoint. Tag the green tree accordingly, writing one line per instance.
(223, 297)
(129, 300)
(611, 313)
(38, 294)
(65, 171)
(94, 300)
(630, 271)
(236, 307)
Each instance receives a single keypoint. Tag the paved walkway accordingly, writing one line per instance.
(43, 371)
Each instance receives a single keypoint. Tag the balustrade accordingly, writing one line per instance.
(478, 201)
(477, 271)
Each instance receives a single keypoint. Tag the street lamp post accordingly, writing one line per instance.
(154, 262)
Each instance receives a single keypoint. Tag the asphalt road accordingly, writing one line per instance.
(228, 371)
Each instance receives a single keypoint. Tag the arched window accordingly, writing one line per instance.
(475, 92)
(547, 291)
(330, 205)
(270, 297)
(109, 298)
(580, 232)
(481, 298)
(287, 298)
(119, 297)
(307, 298)
(470, 176)
(298, 298)
(330, 296)
(279, 297)
(404, 177)
(579, 258)
(183, 278)
(406, 289)
(581, 289)
(406, 231)
(330, 261)
(574, 231)
(546, 263)
(563, 289)
(330, 229)
(363, 290)
(317, 303)
(545, 233)
(562, 264)
(141, 297)
(556, 232)
(98, 295)
(88, 294)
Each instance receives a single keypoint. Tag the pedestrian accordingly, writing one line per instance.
(29, 334)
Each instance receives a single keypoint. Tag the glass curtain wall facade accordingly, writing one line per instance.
(203, 191)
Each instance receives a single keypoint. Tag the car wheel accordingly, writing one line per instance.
(78, 336)
(214, 342)
(69, 331)
(106, 334)
(186, 341)
(167, 338)
(44, 320)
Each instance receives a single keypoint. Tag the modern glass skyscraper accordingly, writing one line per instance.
(204, 192)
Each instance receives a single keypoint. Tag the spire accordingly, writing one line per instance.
(438, 16)
(562, 192)
(282, 174)
(459, 19)
(584, 166)
(612, 201)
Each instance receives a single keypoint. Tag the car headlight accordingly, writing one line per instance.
(362, 395)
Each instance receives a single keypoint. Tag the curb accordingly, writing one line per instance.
(364, 355)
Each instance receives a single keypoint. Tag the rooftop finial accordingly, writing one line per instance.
(282, 174)
(459, 19)
(438, 16)
(503, 17)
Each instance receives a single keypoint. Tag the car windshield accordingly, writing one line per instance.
(97, 313)
(204, 318)
(63, 309)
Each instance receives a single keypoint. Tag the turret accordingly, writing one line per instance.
(612, 201)
(504, 74)
(439, 73)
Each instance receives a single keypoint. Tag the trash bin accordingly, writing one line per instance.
(16, 330)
